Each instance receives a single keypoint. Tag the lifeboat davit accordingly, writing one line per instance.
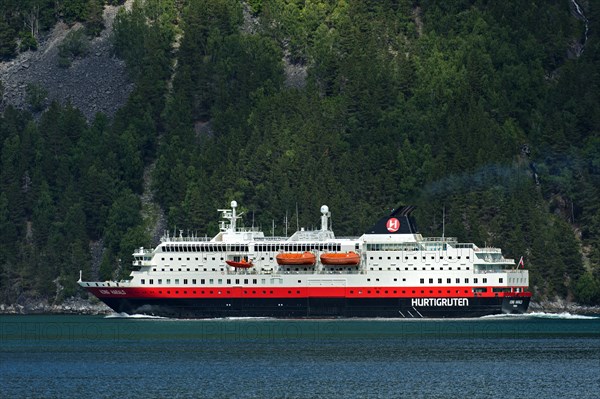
(303, 259)
(343, 259)
(244, 264)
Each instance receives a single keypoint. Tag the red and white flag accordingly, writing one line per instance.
(521, 264)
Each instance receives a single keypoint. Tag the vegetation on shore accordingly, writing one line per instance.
(489, 110)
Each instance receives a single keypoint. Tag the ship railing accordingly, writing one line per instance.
(493, 259)
(500, 270)
(439, 239)
(144, 251)
(489, 250)
(186, 239)
(272, 238)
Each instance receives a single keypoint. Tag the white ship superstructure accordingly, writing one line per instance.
(390, 271)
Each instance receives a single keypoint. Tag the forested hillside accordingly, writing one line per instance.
(487, 109)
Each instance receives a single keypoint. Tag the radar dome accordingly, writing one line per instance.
(324, 209)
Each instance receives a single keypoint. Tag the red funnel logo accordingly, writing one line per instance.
(393, 225)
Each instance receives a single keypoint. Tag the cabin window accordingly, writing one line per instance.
(160, 281)
(245, 281)
(422, 281)
(220, 281)
(448, 281)
(143, 281)
(193, 281)
(475, 281)
(168, 281)
(176, 281)
(485, 280)
(501, 280)
(430, 281)
(457, 281)
(466, 281)
(185, 281)
(254, 281)
(439, 281)
(202, 281)
(211, 281)
(228, 281)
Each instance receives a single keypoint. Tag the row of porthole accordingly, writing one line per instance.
(220, 292)
(414, 292)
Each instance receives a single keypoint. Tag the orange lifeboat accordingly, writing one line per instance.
(244, 264)
(303, 259)
(341, 259)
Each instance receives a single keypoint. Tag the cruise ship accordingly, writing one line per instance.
(391, 271)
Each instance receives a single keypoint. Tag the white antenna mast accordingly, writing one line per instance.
(443, 222)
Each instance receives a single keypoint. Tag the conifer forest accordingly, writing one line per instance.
(484, 114)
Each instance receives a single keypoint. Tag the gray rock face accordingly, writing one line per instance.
(96, 83)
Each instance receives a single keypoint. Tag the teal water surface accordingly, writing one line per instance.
(546, 356)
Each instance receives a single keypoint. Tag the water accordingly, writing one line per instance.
(547, 356)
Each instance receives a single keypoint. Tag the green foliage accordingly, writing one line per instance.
(28, 42)
(76, 44)
(587, 290)
(36, 97)
(8, 43)
(94, 22)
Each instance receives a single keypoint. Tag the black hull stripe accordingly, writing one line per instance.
(314, 307)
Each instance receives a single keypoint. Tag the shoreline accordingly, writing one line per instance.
(71, 306)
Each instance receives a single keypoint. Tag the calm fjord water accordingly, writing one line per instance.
(92, 356)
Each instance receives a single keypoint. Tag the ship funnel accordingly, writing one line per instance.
(324, 217)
